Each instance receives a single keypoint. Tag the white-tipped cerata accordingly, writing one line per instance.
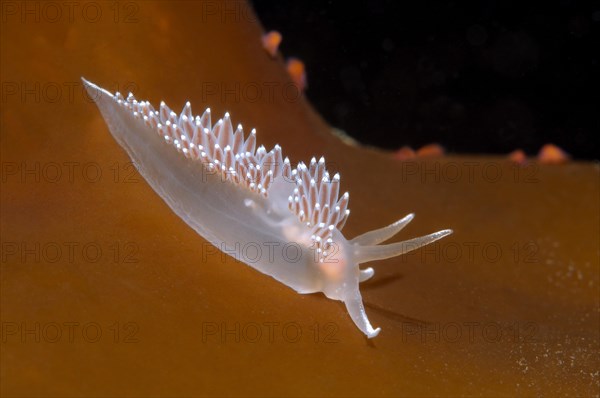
(238, 195)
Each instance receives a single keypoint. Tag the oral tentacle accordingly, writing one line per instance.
(382, 234)
(364, 254)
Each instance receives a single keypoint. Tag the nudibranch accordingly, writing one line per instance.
(234, 193)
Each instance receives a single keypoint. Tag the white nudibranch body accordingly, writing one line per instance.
(236, 195)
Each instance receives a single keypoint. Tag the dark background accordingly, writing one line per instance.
(481, 77)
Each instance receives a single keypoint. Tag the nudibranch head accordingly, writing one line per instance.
(234, 194)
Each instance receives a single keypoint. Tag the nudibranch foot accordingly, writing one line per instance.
(356, 309)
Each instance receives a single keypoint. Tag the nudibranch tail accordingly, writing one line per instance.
(237, 194)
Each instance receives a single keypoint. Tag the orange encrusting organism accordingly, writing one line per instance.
(271, 42)
(517, 156)
(426, 151)
(430, 151)
(552, 154)
(297, 72)
(405, 153)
